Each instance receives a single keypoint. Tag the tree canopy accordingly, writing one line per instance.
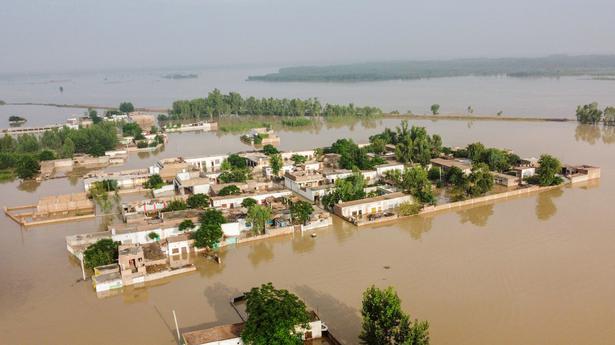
(301, 211)
(126, 107)
(547, 172)
(589, 113)
(198, 200)
(385, 323)
(210, 230)
(103, 252)
(258, 215)
(274, 317)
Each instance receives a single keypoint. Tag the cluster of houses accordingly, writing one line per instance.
(147, 227)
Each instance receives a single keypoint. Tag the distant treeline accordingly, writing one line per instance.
(217, 104)
(550, 66)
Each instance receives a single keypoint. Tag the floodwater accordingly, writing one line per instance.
(545, 97)
(531, 270)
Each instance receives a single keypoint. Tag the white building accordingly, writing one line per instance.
(375, 205)
(209, 163)
(233, 201)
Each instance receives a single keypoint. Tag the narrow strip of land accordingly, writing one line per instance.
(454, 117)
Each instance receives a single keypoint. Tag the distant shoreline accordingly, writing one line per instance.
(449, 117)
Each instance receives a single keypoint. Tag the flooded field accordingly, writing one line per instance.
(530, 270)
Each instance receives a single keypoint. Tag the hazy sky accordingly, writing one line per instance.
(55, 35)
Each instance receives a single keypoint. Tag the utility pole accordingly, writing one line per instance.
(82, 265)
(176, 327)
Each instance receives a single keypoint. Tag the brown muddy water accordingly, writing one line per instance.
(532, 270)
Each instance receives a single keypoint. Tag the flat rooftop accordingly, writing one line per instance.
(213, 334)
(388, 196)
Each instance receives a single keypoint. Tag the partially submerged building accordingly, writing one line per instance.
(383, 205)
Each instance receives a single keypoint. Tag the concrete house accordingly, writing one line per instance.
(375, 205)
(446, 164)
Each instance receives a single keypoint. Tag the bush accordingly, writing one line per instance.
(46, 155)
(153, 236)
(154, 182)
(248, 202)
(270, 150)
(434, 173)
(409, 208)
(229, 190)
(141, 144)
(187, 224)
(175, 205)
(198, 200)
(103, 252)
(27, 167)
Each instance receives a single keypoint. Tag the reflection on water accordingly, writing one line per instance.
(545, 207)
(29, 186)
(303, 243)
(261, 252)
(592, 134)
(476, 215)
(419, 225)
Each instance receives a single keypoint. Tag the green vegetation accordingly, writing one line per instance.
(16, 119)
(496, 159)
(414, 181)
(239, 125)
(153, 236)
(353, 157)
(546, 173)
(131, 129)
(591, 114)
(103, 252)
(210, 230)
(270, 150)
(27, 167)
(229, 190)
(93, 115)
(186, 224)
(385, 323)
(27, 149)
(409, 208)
(248, 202)
(276, 162)
(258, 215)
(274, 317)
(175, 205)
(154, 182)
(198, 200)
(298, 159)
(297, 121)
(550, 66)
(412, 145)
(347, 189)
(477, 183)
(301, 211)
(218, 104)
(234, 169)
(126, 107)
(435, 109)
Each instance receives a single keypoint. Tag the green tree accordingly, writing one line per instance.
(93, 115)
(126, 107)
(609, 116)
(236, 161)
(27, 167)
(153, 236)
(154, 182)
(234, 175)
(27, 143)
(46, 155)
(229, 190)
(435, 109)
(198, 200)
(270, 150)
(175, 205)
(68, 148)
(547, 171)
(212, 216)
(276, 163)
(476, 151)
(258, 215)
(7, 143)
(589, 113)
(274, 317)
(301, 211)
(103, 252)
(385, 323)
(416, 182)
(186, 224)
(480, 180)
(248, 202)
(132, 129)
(298, 159)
